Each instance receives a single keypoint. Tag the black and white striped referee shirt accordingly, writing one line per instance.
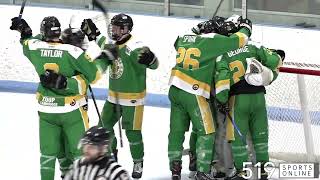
(102, 169)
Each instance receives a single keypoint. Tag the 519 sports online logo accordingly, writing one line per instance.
(283, 170)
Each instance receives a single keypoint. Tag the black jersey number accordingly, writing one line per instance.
(184, 57)
(239, 72)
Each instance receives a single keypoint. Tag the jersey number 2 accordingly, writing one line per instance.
(51, 66)
(184, 57)
(239, 72)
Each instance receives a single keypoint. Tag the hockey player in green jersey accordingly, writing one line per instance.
(190, 86)
(251, 69)
(62, 101)
(127, 84)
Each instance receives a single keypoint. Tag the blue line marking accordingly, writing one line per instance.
(161, 100)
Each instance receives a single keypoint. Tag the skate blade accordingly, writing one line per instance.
(192, 174)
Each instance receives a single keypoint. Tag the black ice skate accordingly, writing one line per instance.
(203, 176)
(192, 164)
(215, 172)
(176, 170)
(264, 174)
(137, 170)
(238, 176)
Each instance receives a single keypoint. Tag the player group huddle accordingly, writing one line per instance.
(216, 71)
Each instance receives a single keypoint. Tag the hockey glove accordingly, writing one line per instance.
(246, 23)
(146, 56)
(50, 79)
(228, 28)
(198, 29)
(235, 19)
(253, 66)
(110, 52)
(280, 52)
(22, 26)
(90, 29)
(223, 108)
(210, 26)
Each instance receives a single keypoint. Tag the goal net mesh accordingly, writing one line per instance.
(287, 138)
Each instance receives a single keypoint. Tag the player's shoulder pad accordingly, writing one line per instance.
(209, 35)
(74, 51)
(34, 44)
(255, 43)
(133, 44)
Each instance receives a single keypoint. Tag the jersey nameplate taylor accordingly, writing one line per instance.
(51, 53)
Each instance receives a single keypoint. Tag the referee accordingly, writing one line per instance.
(95, 163)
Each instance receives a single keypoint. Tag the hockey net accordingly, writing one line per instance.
(293, 102)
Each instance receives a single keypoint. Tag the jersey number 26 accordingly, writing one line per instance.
(184, 57)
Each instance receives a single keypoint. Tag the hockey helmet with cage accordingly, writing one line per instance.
(219, 25)
(50, 28)
(210, 26)
(227, 28)
(121, 20)
(96, 135)
(73, 36)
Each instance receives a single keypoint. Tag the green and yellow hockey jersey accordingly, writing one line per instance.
(69, 61)
(196, 59)
(127, 77)
(237, 63)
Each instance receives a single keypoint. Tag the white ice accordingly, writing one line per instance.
(19, 152)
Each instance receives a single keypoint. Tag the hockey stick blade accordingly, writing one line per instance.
(185, 152)
(22, 8)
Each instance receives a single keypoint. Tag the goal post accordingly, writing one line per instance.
(291, 100)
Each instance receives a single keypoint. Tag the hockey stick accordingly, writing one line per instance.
(244, 11)
(243, 139)
(95, 105)
(22, 8)
(99, 5)
(217, 9)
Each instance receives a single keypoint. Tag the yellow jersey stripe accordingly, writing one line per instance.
(243, 39)
(121, 95)
(190, 80)
(230, 128)
(206, 114)
(85, 118)
(81, 85)
(223, 83)
(98, 76)
(138, 117)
